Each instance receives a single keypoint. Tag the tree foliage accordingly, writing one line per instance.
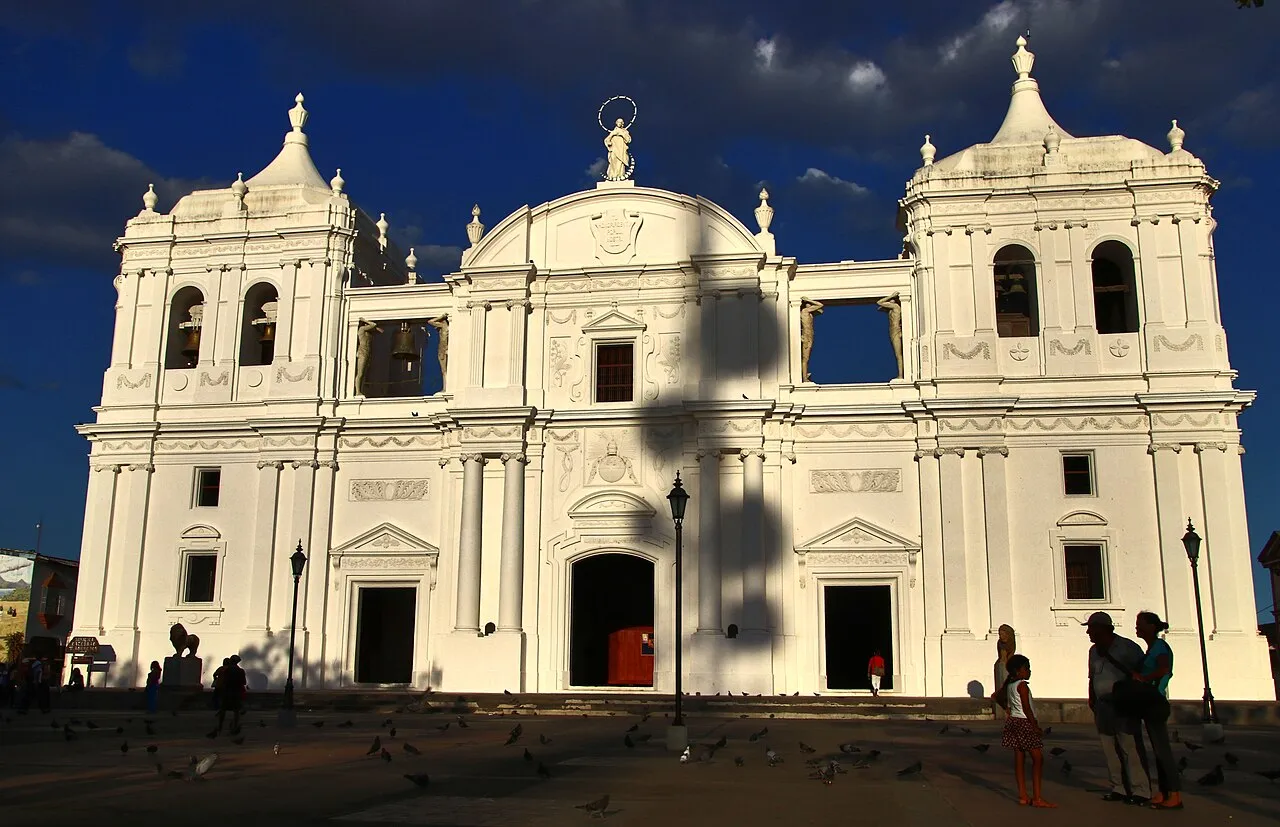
(13, 644)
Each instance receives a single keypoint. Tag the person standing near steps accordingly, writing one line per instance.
(875, 671)
(1113, 658)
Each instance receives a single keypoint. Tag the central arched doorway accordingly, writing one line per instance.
(611, 621)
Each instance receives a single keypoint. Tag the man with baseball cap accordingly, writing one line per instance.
(1114, 658)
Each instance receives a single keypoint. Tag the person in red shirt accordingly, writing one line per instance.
(875, 671)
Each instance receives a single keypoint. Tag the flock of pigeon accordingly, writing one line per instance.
(193, 770)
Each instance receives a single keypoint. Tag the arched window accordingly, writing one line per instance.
(1115, 295)
(258, 327)
(1014, 274)
(186, 318)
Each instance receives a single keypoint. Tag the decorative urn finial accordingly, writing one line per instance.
(337, 182)
(1052, 141)
(928, 151)
(764, 213)
(298, 115)
(149, 198)
(1022, 59)
(382, 226)
(239, 188)
(411, 261)
(1176, 136)
(475, 230)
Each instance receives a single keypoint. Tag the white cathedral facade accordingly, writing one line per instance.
(1065, 405)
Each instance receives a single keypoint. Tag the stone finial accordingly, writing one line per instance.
(337, 182)
(1176, 136)
(1052, 141)
(239, 188)
(298, 115)
(411, 261)
(1022, 59)
(764, 213)
(928, 151)
(475, 230)
(149, 198)
(382, 226)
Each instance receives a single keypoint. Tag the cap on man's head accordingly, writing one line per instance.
(1099, 619)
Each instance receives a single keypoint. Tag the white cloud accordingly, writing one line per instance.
(814, 177)
(1000, 16)
(994, 23)
(766, 49)
(866, 76)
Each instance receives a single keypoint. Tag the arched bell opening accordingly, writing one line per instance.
(1115, 294)
(1014, 282)
(186, 322)
(258, 325)
(611, 640)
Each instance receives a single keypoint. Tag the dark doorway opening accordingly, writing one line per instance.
(859, 621)
(384, 635)
(612, 593)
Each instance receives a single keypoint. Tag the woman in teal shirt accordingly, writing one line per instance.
(1157, 669)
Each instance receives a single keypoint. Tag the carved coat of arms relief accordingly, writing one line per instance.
(615, 232)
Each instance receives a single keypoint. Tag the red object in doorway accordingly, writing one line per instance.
(631, 657)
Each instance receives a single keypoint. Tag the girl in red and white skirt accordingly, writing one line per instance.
(1022, 732)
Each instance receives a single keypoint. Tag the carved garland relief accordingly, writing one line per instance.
(856, 481)
(389, 490)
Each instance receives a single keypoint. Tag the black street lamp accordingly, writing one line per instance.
(679, 498)
(297, 561)
(1191, 542)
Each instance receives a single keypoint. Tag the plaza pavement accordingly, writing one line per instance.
(323, 776)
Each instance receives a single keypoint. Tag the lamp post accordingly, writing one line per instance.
(677, 736)
(1191, 542)
(297, 561)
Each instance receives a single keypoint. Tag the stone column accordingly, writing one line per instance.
(477, 331)
(314, 591)
(1224, 542)
(710, 592)
(511, 586)
(931, 563)
(954, 541)
(128, 537)
(1179, 604)
(995, 497)
(262, 566)
(518, 309)
(467, 618)
(754, 571)
(706, 355)
(95, 549)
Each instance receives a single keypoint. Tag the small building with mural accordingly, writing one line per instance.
(37, 601)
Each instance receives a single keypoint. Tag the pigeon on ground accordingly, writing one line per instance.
(1270, 775)
(528, 756)
(772, 757)
(375, 746)
(462, 723)
(626, 739)
(277, 749)
(806, 749)
(386, 756)
(53, 725)
(1212, 778)
(1048, 730)
(345, 724)
(644, 717)
(849, 749)
(1174, 736)
(544, 740)
(738, 762)
(511, 739)
(91, 725)
(444, 727)
(392, 732)
(419, 779)
(119, 730)
(722, 743)
(152, 749)
(594, 808)
(945, 729)
(756, 736)
(507, 692)
(1182, 764)
(823, 775)
(982, 747)
(238, 740)
(177, 774)
(1231, 759)
(1066, 767)
(150, 729)
(211, 734)
(1056, 751)
(642, 737)
(873, 754)
(684, 756)
(1192, 745)
(913, 769)
(543, 772)
(411, 749)
(124, 747)
(517, 730)
(966, 730)
(262, 724)
(386, 723)
(633, 728)
(68, 734)
(201, 767)
(317, 724)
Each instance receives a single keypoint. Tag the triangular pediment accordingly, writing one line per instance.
(858, 534)
(386, 539)
(613, 321)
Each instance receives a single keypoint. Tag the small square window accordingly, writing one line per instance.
(208, 483)
(201, 576)
(1077, 474)
(1084, 572)
(614, 373)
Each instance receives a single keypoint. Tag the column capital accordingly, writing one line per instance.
(705, 453)
(485, 305)
(114, 468)
(304, 463)
(443, 461)
(1201, 447)
(331, 464)
(476, 458)
(142, 466)
(942, 452)
(993, 449)
(270, 463)
(745, 455)
(518, 456)
(512, 304)
(1155, 447)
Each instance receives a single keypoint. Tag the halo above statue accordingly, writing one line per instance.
(619, 162)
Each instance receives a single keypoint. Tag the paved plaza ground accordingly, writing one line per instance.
(322, 774)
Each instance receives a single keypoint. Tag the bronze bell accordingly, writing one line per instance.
(191, 349)
(268, 333)
(403, 346)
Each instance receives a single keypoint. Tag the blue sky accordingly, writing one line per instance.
(429, 107)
